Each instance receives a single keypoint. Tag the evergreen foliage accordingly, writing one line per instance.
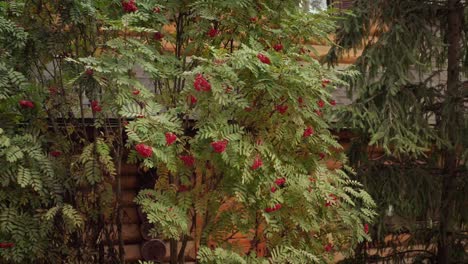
(410, 100)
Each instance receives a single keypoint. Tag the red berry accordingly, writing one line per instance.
(272, 209)
(321, 103)
(136, 92)
(278, 47)
(193, 100)
(300, 101)
(189, 161)
(219, 146)
(53, 90)
(6, 245)
(325, 82)
(26, 104)
(282, 109)
(129, 6)
(253, 19)
(257, 163)
(308, 132)
(263, 58)
(55, 153)
(328, 247)
(157, 10)
(170, 138)
(321, 155)
(318, 112)
(333, 102)
(212, 32)
(158, 36)
(89, 72)
(366, 228)
(280, 182)
(95, 107)
(273, 189)
(201, 84)
(144, 150)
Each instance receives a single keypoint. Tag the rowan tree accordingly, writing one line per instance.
(233, 112)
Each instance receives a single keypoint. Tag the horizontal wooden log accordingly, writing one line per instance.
(128, 197)
(190, 254)
(132, 252)
(400, 239)
(129, 169)
(130, 215)
(128, 182)
(130, 234)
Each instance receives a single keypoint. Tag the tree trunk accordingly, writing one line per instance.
(173, 253)
(450, 118)
(119, 197)
(181, 257)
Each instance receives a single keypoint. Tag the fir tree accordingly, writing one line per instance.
(411, 101)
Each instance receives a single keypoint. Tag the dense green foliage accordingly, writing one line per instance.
(410, 100)
(33, 212)
(46, 158)
(229, 84)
